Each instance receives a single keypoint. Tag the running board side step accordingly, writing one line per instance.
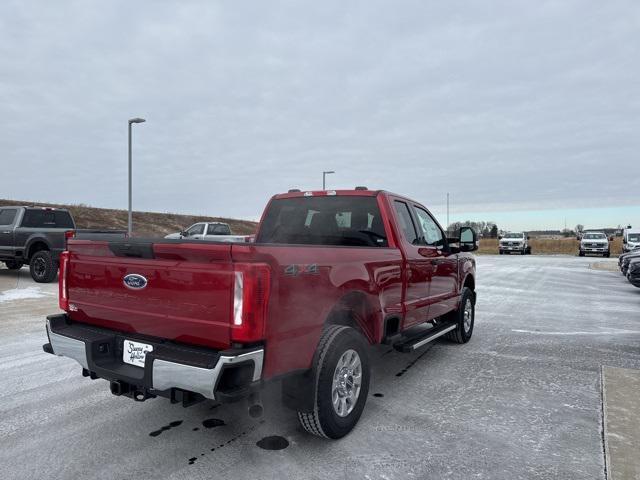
(413, 343)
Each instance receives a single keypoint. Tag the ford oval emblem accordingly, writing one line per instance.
(134, 281)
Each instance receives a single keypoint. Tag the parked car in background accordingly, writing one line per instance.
(626, 260)
(594, 243)
(36, 236)
(330, 273)
(630, 239)
(517, 242)
(211, 231)
(633, 272)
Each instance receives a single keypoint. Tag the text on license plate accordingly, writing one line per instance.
(135, 352)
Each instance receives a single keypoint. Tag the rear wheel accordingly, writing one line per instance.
(13, 264)
(464, 318)
(42, 267)
(341, 373)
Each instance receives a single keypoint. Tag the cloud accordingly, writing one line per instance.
(507, 105)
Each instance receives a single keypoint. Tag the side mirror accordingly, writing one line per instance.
(183, 233)
(611, 238)
(528, 237)
(468, 239)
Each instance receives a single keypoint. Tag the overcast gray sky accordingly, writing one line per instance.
(511, 106)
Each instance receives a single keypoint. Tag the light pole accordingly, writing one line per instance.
(130, 217)
(448, 212)
(324, 176)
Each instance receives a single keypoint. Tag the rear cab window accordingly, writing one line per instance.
(42, 218)
(8, 216)
(350, 221)
(217, 229)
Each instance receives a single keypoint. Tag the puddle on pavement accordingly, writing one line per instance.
(274, 442)
(212, 423)
(171, 425)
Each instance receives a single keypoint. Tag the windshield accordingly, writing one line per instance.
(594, 236)
(514, 235)
(634, 237)
(344, 221)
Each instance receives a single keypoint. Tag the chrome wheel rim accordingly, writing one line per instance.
(468, 315)
(347, 381)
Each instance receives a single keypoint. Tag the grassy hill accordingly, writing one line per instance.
(144, 223)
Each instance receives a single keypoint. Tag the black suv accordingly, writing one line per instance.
(35, 236)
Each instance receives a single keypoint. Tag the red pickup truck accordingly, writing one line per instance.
(329, 273)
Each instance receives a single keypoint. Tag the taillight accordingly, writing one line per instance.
(68, 235)
(63, 299)
(250, 301)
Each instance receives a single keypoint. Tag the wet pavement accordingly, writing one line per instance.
(523, 399)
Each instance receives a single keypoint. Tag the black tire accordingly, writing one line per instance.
(42, 267)
(581, 254)
(462, 334)
(523, 252)
(501, 252)
(13, 264)
(607, 255)
(324, 421)
(528, 250)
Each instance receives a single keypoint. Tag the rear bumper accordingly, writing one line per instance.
(169, 370)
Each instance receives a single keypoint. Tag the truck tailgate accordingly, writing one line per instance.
(186, 294)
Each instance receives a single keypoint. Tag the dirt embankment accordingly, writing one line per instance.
(144, 223)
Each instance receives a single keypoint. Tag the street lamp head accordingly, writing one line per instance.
(137, 120)
(330, 171)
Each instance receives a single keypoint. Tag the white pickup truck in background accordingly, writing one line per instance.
(594, 243)
(212, 231)
(630, 239)
(514, 242)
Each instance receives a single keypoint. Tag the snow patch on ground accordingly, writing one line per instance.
(22, 294)
(615, 331)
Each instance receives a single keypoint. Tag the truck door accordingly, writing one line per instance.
(7, 219)
(418, 269)
(443, 290)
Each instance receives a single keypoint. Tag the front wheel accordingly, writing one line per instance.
(464, 318)
(341, 373)
(13, 264)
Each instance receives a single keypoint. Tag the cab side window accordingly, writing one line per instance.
(431, 233)
(406, 222)
(7, 216)
(197, 229)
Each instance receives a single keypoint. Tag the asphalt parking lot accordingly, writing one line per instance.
(522, 400)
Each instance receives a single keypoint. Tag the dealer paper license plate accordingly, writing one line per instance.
(135, 352)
